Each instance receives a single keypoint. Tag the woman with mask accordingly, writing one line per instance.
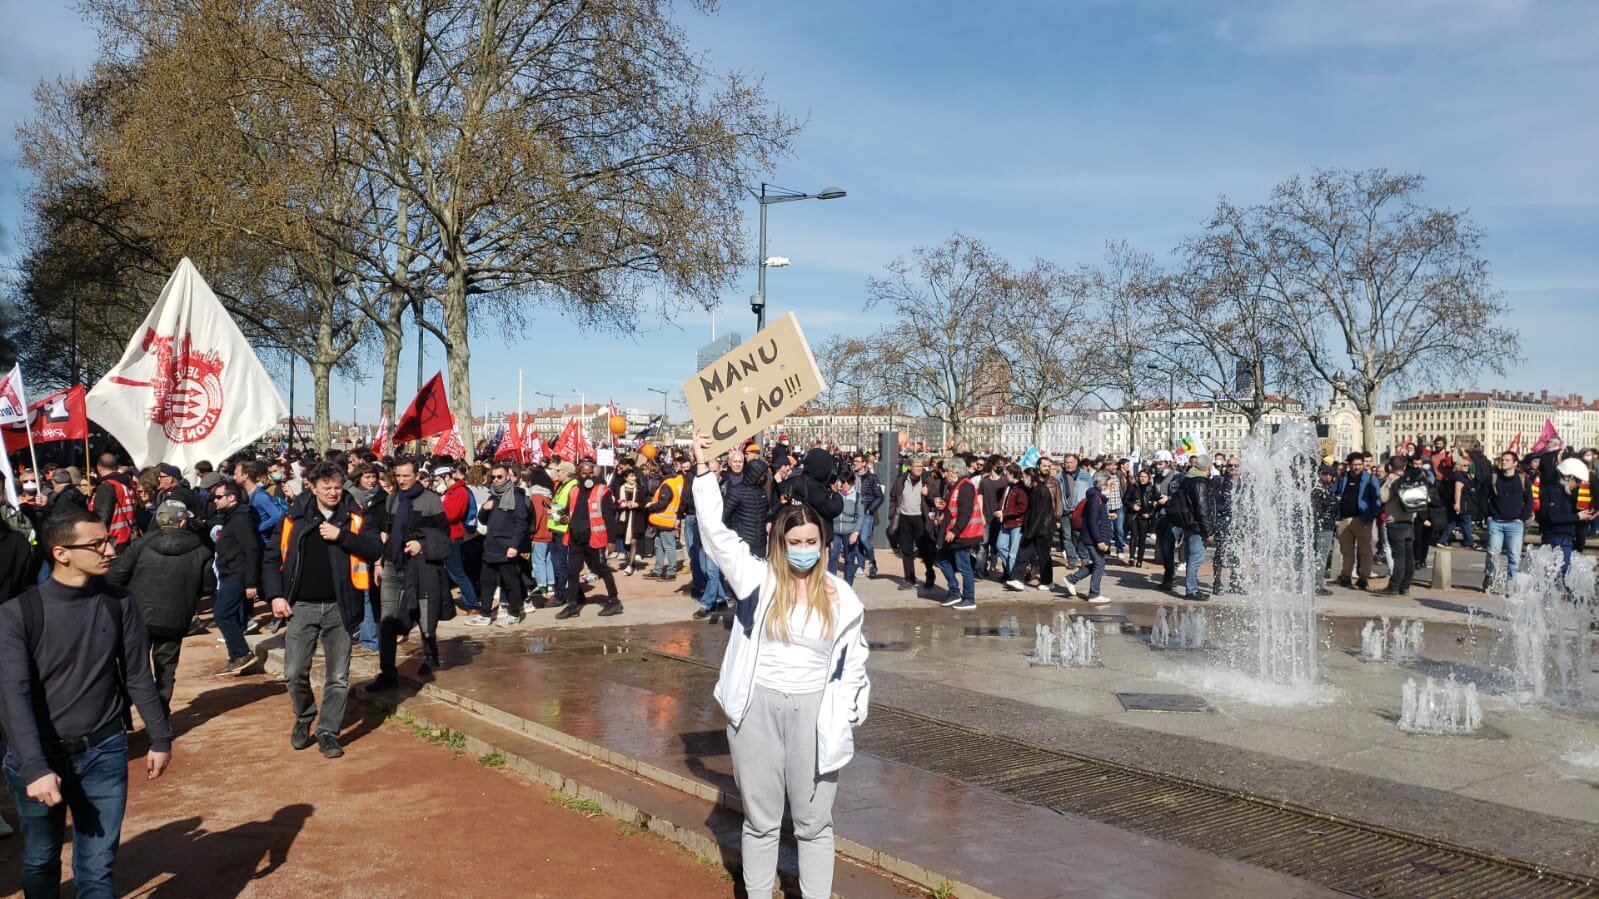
(630, 515)
(793, 683)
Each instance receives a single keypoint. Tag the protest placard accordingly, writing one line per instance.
(762, 380)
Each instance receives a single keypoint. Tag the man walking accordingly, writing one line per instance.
(591, 518)
(62, 703)
(871, 490)
(964, 528)
(910, 506)
(315, 573)
(1357, 494)
(113, 501)
(167, 572)
(505, 516)
(238, 555)
(412, 585)
(457, 502)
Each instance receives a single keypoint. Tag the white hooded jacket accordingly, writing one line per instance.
(846, 693)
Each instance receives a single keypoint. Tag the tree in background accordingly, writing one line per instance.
(1375, 289)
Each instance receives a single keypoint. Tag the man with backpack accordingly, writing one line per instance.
(66, 675)
(1404, 496)
(1357, 495)
(1191, 512)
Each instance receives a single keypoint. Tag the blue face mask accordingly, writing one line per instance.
(803, 559)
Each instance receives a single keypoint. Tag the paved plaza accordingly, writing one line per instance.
(966, 769)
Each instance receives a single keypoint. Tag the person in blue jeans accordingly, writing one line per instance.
(1509, 506)
(1097, 537)
(1558, 515)
(846, 528)
(962, 527)
(65, 746)
(1196, 520)
(872, 497)
(238, 570)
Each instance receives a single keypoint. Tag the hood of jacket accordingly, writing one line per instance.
(173, 541)
(818, 465)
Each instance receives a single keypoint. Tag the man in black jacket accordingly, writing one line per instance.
(1509, 505)
(167, 572)
(871, 504)
(316, 571)
(813, 487)
(504, 517)
(170, 486)
(591, 519)
(1195, 515)
(413, 585)
(62, 705)
(238, 553)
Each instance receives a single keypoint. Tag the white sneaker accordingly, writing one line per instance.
(1045, 588)
(507, 620)
(1071, 588)
(479, 621)
(1099, 600)
(252, 626)
(1015, 585)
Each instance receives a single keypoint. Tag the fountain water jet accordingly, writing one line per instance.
(1184, 628)
(1069, 644)
(1547, 628)
(1440, 707)
(1402, 642)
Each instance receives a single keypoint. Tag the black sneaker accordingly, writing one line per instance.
(570, 610)
(611, 607)
(429, 665)
(1343, 582)
(300, 737)
(330, 744)
(702, 613)
(1323, 591)
(379, 684)
(908, 585)
(1362, 584)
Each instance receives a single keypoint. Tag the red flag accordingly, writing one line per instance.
(450, 444)
(428, 414)
(511, 446)
(1544, 438)
(573, 444)
(383, 443)
(59, 416)
(1515, 445)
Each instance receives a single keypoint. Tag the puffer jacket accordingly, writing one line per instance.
(849, 519)
(167, 572)
(238, 549)
(846, 694)
(1096, 518)
(746, 507)
(1141, 495)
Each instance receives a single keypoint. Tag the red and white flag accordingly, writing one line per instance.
(1515, 444)
(511, 444)
(533, 450)
(383, 443)
(450, 444)
(13, 398)
(188, 387)
(54, 418)
(573, 444)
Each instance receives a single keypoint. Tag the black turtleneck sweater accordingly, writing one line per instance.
(76, 663)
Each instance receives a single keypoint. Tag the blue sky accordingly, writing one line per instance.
(1047, 129)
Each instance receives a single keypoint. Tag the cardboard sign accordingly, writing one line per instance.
(756, 385)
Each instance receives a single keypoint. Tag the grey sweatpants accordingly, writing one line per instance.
(774, 758)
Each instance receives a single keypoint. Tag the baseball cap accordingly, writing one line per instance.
(443, 470)
(172, 512)
(169, 470)
(566, 469)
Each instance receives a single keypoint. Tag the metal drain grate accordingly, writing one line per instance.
(1350, 856)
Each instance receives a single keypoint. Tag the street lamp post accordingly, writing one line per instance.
(769, 194)
(665, 395)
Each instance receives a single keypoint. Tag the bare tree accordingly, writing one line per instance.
(1222, 336)
(1121, 367)
(1376, 290)
(1042, 324)
(940, 347)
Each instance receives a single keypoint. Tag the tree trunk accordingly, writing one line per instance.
(1038, 427)
(322, 378)
(393, 344)
(1368, 422)
(458, 355)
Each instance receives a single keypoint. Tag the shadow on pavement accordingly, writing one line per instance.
(199, 862)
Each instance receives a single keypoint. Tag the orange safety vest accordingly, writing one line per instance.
(976, 525)
(598, 539)
(122, 519)
(360, 571)
(666, 519)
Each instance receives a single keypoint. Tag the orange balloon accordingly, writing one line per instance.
(648, 451)
(618, 425)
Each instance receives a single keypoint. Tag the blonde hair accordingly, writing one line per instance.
(818, 599)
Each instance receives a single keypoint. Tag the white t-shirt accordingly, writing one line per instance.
(799, 666)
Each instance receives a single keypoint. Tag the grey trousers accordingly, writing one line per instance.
(774, 758)
(311, 622)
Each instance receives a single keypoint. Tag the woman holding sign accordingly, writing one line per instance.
(793, 683)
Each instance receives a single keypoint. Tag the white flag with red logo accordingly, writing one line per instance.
(533, 449)
(450, 444)
(383, 443)
(13, 398)
(188, 387)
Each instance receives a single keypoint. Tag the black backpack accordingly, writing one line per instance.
(33, 625)
(1179, 510)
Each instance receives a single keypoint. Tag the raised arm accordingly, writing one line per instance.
(743, 571)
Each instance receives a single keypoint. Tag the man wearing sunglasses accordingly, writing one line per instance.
(62, 708)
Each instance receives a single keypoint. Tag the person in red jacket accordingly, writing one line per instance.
(457, 499)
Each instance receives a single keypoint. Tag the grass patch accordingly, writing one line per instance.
(577, 804)
(439, 736)
(491, 760)
(944, 891)
(627, 830)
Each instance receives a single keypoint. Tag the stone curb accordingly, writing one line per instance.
(694, 838)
